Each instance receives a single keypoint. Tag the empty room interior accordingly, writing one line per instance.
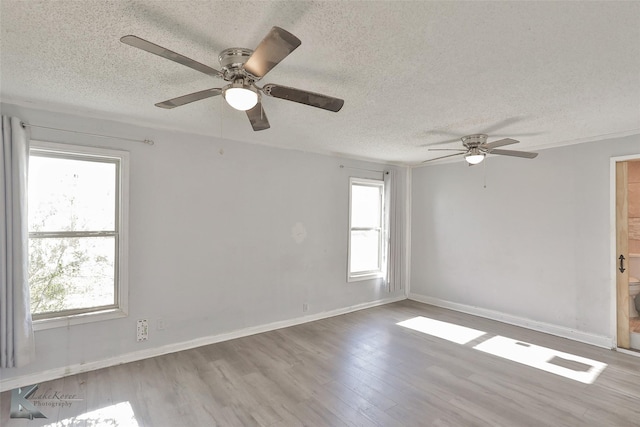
(302, 213)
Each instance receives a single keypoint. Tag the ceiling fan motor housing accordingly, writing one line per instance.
(231, 62)
(473, 141)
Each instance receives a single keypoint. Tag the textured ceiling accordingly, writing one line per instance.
(411, 73)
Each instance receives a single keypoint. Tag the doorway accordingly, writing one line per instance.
(627, 251)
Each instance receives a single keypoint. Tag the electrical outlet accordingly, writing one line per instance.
(305, 307)
(161, 324)
(142, 330)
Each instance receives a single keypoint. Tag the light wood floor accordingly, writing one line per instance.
(358, 369)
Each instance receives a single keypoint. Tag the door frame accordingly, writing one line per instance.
(613, 247)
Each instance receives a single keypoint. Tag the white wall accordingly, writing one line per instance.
(533, 244)
(211, 246)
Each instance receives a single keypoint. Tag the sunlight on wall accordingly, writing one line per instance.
(546, 359)
(118, 415)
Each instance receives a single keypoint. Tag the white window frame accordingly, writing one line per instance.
(121, 307)
(371, 274)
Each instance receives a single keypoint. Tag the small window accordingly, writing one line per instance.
(366, 198)
(77, 218)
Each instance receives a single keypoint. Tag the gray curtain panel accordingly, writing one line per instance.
(16, 332)
(394, 224)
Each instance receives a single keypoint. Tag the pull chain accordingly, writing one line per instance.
(484, 172)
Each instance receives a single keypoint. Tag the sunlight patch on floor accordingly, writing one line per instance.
(546, 359)
(118, 415)
(447, 331)
(575, 367)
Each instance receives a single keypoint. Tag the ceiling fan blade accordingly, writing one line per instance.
(448, 149)
(276, 46)
(516, 134)
(444, 157)
(186, 99)
(500, 143)
(428, 144)
(258, 118)
(524, 154)
(304, 97)
(168, 54)
(502, 124)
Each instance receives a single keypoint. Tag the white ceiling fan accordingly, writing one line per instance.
(477, 147)
(242, 68)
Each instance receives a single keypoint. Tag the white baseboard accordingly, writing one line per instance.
(51, 374)
(634, 340)
(629, 352)
(548, 328)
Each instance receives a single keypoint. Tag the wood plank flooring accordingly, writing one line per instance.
(358, 369)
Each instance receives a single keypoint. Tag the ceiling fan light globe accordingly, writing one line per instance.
(474, 159)
(241, 98)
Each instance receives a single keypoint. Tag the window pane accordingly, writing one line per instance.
(365, 251)
(71, 273)
(365, 206)
(71, 195)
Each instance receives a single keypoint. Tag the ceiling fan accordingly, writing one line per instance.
(242, 69)
(477, 147)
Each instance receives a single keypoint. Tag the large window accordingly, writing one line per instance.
(366, 198)
(77, 223)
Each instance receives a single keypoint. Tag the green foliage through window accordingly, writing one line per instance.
(73, 233)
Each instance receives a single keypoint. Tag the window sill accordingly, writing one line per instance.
(361, 277)
(78, 319)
